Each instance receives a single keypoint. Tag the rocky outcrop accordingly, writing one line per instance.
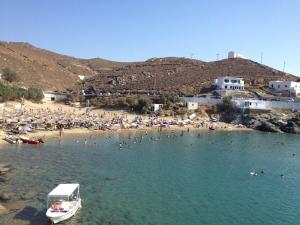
(4, 170)
(3, 210)
(273, 122)
(4, 196)
(268, 127)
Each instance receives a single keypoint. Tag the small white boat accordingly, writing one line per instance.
(10, 139)
(63, 202)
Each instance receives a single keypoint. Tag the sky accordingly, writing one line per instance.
(136, 30)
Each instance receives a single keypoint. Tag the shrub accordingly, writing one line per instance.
(143, 105)
(10, 75)
(13, 93)
(130, 102)
(227, 109)
(167, 100)
(35, 94)
(227, 106)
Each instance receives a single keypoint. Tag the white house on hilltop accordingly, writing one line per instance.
(81, 77)
(285, 86)
(232, 55)
(230, 84)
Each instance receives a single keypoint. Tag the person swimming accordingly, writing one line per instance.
(253, 173)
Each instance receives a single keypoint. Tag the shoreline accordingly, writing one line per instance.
(54, 134)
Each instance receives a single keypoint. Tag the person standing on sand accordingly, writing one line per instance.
(61, 128)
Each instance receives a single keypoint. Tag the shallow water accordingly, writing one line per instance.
(194, 179)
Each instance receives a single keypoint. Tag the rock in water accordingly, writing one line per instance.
(4, 196)
(3, 210)
(29, 195)
(4, 168)
(3, 179)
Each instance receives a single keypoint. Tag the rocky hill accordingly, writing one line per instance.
(48, 70)
(181, 74)
(52, 71)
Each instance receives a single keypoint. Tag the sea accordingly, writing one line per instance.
(162, 178)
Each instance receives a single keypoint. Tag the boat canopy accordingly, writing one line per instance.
(63, 190)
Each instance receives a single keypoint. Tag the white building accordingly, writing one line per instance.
(192, 105)
(252, 104)
(285, 86)
(230, 83)
(81, 77)
(156, 107)
(232, 55)
(54, 96)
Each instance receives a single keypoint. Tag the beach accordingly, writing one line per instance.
(54, 120)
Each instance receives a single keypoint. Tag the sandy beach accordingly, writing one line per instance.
(108, 116)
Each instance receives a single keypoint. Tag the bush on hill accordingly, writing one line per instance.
(10, 75)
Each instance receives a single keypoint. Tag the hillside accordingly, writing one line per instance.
(45, 69)
(52, 71)
(181, 74)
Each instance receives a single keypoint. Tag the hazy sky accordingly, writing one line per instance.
(135, 30)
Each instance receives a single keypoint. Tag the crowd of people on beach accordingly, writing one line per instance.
(25, 120)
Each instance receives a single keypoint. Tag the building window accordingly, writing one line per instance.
(226, 80)
(272, 86)
(278, 86)
(286, 86)
(225, 86)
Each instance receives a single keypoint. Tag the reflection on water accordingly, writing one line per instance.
(162, 178)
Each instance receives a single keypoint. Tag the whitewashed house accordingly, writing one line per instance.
(230, 83)
(81, 77)
(232, 55)
(291, 87)
(54, 96)
(252, 104)
(192, 105)
(156, 107)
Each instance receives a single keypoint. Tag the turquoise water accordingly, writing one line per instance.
(194, 179)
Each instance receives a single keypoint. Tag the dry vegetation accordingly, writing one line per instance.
(52, 71)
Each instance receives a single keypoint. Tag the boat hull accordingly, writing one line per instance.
(58, 217)
(30, 141)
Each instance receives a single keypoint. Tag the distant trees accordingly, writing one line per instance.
(227, 106)
(34, 94)
(10, 75)
(140, 105)
(13, 93)
(227, 109)
(167, 100)
(143, 105)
